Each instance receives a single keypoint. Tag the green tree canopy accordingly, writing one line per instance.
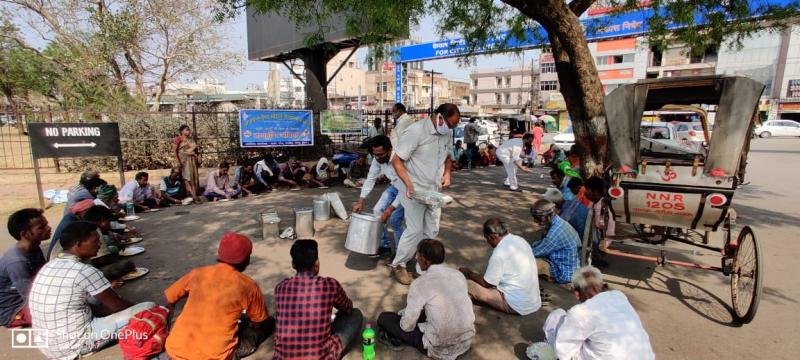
(479, 21)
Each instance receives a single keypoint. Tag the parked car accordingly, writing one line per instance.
(565, 139)
(691, 132)
(662, 138)
(778, 128)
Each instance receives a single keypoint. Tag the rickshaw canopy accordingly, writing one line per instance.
(736, 98)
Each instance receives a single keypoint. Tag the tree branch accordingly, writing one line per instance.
(579, 6)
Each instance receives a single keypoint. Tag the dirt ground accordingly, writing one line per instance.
(686, 312)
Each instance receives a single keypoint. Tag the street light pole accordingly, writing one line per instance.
(431, 92)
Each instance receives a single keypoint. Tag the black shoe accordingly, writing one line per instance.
(390, 341)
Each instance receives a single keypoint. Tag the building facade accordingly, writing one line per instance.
(502, 91)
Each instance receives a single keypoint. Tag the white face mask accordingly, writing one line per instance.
(441, 125)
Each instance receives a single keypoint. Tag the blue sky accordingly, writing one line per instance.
(255, 72)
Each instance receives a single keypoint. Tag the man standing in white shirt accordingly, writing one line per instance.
(603, 326)
(510, 154)
(438, 319)
(422, 162)
(388, 207)
(401, 122)
(511, 282)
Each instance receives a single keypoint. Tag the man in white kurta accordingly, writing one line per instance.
(510, 154)
(422, 162)
(603, 326)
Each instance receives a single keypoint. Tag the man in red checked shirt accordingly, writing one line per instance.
(305, 304)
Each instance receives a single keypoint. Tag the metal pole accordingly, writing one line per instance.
(431, 92)
(121, 171)
(38, 182)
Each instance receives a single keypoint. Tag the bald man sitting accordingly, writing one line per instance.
(510, 283)
(603, 326)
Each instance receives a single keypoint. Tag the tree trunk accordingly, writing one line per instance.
(162, 87)
(577, 76)
(316, 65)
(138, 72)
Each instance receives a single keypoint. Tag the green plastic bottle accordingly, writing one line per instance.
(368, 342)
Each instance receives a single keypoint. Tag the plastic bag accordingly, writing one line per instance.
(337, 205)
(432, 198)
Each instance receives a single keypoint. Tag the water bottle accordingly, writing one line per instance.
(368, 343)
(129, 209)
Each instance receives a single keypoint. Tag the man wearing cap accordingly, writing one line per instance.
(557, 251)
(219, 297)
(85, 189)
(74, 213)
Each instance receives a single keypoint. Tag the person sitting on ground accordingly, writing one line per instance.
(559, 180)
(488, 155)
(438, 319)
(511, 283)
(139, 193)
(573, 210)
(218, 324)
(323, 175)
(245, 179)
(557, 251)
(358, 172)
(603, 326)
(19, 265)
(219, 185)
(107, 259)
(107, 197)
(292, 173)
(85, 189)
(458, 156)
(74, 303)
(75, 214)
(553, 156)
(172, 189)
(305, 303)
(267, 171)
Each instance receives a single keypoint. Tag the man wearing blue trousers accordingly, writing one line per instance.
(388, 207)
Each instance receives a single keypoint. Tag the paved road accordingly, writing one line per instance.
(686, 312)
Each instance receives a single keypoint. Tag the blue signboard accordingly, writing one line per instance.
(603, 27)
(270, 128)
(398, 83)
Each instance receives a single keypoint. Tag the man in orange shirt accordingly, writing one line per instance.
(225, 316)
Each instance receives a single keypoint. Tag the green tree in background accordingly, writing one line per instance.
(114, 54)
(478, 21)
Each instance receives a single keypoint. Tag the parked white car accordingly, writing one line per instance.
(565, 139)
(691, 131)
(662, 138)
(778, 128)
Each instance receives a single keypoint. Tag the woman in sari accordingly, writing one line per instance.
(185, 149)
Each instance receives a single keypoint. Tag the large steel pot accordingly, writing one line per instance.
(363, 235)
(304, 222)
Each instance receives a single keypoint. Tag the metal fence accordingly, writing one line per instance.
(146, 138)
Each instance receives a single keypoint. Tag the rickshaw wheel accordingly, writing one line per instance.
(746, 277)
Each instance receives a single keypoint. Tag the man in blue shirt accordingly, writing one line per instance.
(557, 251)
(20, 264)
